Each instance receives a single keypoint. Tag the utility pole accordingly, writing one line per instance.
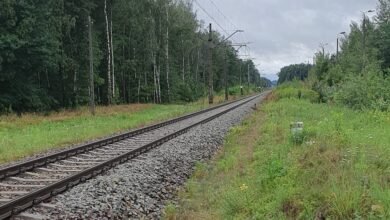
(337, 54)
(248, 75)
(226, 80)
(91, 79)
(322, 46)
(364, 40)
(241, 91)
(364, 36)
(225, 76)
(210, 65)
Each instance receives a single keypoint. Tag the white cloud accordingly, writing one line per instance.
(284, 32)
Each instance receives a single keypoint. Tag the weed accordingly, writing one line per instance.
(170, 212)
(338, 168)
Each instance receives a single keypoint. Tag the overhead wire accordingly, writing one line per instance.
(209, 15)
(220, 12)
(247, 48)
(231, 23)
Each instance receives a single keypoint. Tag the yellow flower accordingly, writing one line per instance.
(243, 187)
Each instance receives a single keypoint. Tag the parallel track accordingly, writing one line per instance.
(27, 184)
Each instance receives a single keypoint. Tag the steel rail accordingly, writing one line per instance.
(19, 204)
(41, 161)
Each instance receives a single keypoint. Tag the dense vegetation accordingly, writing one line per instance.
(294, 72)
(337, 168)
(143, 51)
(359, 75)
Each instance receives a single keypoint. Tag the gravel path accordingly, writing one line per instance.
(140, 188)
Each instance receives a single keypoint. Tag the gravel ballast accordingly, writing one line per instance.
(140, 188)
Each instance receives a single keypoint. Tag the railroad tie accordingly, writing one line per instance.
(93, 156)
(107, 151)
(30, 216)
(32, 180)
(33, 174)
(56, 171)
(114, 150)
(77, 162)
(68, 167)
(89, 159)
(20, 186)
(104, 154)
(14, 193)
(4, 200)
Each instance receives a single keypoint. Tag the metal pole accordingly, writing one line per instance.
(210, 67)
(225, 76)
(241, 91)
(248, 76)
(364, 40)
(337, 53)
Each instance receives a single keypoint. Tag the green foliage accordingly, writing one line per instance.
(294, 72)
(358, 77)
(25, 136)
(44, 53)
(339, 171)
(296, 90)
(236, 90)
(365, 92)
(188, 93)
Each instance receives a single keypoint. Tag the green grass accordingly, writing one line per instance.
(341, 170)
(20, 137)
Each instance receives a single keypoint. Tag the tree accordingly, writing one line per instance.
(142, 51)
(295, 72)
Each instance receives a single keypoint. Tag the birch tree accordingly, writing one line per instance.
(109, 90)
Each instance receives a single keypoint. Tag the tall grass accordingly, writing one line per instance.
(340, 170)
(30, 134)
(25, 135)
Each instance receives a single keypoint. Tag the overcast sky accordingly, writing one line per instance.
(283, 32)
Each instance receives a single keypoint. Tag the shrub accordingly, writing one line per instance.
(296, 90)
(365, 92)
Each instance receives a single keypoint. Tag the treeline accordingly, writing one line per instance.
(294, 72)
(142, 51)
(359, 75)
(265, 83)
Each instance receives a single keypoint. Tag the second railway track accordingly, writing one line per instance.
(27, 184)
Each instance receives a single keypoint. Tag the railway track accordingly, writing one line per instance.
(30, 183)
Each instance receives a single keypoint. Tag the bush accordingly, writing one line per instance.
(188, 92)
(235, 90)
(296, 90)
(365, 92)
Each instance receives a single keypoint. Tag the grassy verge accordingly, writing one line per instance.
(30, 134)
(339, 167)
(34, 133)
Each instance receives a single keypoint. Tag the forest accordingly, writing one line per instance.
(58, 53)
(294, 72)
(358, 74)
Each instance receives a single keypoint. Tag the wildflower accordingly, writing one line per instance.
(243, 187)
